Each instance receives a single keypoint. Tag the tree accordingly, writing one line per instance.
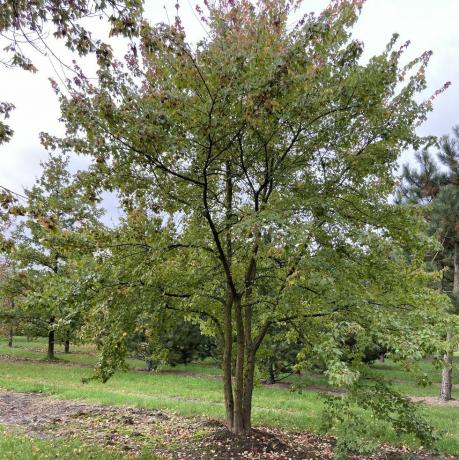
(171, 341)
(55, 216)
(437, 190)
(277, 357)
(11, 285)
(24, 23)
(11, 289)
(25, 26)
(260, 161)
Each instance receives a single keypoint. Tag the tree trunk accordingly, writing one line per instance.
(447, 373)
(448, 357)
(228, 309)
(382, 357)
(272, 376)
(456, 268)
(227, 355)
(238, 426)
(67, 346)
(238, 400)
(10, 337)
(51, 355)
(149, 365)
(248, 390)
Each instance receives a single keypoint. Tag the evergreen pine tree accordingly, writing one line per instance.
(435, 185)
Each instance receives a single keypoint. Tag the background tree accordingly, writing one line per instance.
(26, 25)
(261, 161)
(278, 356)
(170, 340)
(56, 214)
(11, 289)
(436, 187)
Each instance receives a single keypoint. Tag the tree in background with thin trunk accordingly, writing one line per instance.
(435, 186)
(55, 210)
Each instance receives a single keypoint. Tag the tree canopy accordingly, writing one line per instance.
(255, 169)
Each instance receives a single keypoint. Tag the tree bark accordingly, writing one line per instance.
(448, 357)
(227, 355)
(238, 400)
(271, 376)
(149, 365)
(248, 390)
(447, 373)
(67, 346)
(51, 334)
(238, 426)
(249, 351)
(456, 269)
(228, 308)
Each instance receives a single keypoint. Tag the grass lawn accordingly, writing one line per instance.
(84, 354)
(19, 447)
(196, 390)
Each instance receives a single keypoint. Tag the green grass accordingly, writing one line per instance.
(15, 446)
(36, 349)
(197, 390)
(406, 382)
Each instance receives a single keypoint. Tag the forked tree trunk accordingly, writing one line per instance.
(239, 389)
(238, 403)
(67, 346)
(51, 334)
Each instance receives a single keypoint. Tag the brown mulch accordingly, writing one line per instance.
(164, 434)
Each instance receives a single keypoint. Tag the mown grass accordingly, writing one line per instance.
(16, 446)
(84, 354)
(197, 390)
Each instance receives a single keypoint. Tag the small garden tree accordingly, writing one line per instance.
(260, 161)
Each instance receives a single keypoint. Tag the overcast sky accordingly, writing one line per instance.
(429, 24)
